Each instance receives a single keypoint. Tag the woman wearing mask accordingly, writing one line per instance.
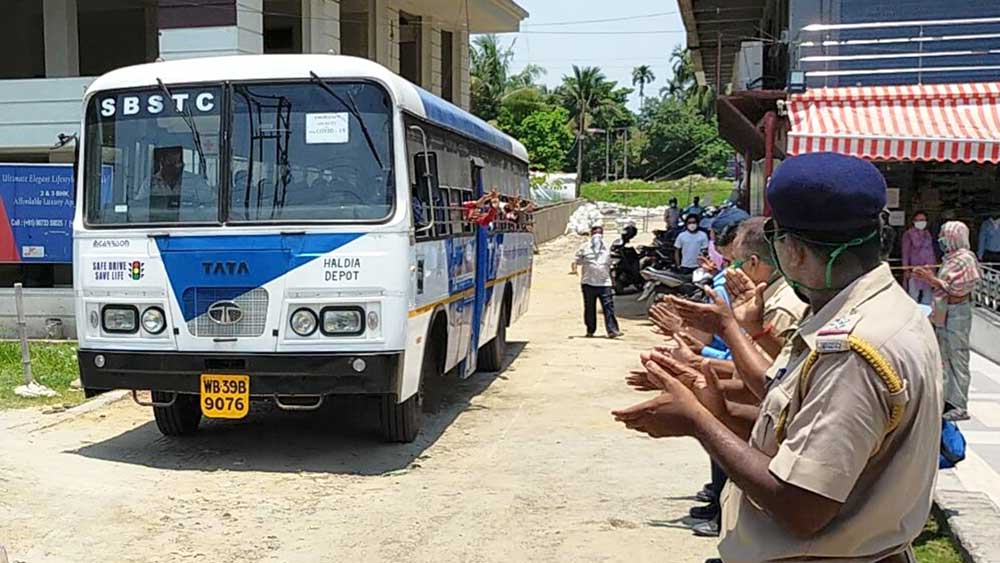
(918, 250)
(952, 316)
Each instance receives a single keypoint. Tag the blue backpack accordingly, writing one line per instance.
(952, 445)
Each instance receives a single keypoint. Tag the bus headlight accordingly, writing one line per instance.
(121, 319)
(153, 320)
(303, 322)
(343, 321)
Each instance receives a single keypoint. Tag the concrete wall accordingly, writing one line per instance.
(39, 305)
(52, 104)
(550, 221)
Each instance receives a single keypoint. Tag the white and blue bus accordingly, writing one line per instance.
(287, 228)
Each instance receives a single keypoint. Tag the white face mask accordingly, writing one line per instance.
(596, 240)
(921, 225)
(692, 227)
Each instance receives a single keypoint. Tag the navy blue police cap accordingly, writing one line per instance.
(728, 217)
(826, 192)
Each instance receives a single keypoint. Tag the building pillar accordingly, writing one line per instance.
(463, 78)
(430, 50)
(379, 31)
(62, 38)
(321, 26)
(210, 28)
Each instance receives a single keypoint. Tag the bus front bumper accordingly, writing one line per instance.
(270, 374)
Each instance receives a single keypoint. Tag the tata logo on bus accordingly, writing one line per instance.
(156, 104)
(225, 312)
(227, 268)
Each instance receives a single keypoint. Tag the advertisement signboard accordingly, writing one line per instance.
(36, 213)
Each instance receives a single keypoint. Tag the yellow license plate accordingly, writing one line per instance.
(225, 396)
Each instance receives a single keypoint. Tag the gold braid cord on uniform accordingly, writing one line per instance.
(878, 363)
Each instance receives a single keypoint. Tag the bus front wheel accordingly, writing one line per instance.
(179, 419)
(401, 421)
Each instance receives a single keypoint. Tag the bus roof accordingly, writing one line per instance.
(407, 95)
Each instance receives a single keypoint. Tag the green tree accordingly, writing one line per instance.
(683, 84)
(642, 75)
(679, 141)
(583, 93)
(547, 136)
(491, 77)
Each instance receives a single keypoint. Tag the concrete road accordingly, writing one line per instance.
(524, 465)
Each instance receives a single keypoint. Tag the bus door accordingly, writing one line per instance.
(481, 246)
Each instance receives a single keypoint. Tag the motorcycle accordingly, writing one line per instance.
(674, 282)
(626, 264)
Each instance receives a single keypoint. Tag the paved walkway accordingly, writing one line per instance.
(970, 493)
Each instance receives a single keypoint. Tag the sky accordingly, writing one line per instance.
(615, 46)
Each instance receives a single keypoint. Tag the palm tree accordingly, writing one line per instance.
(585, 91)
(491, 77)
(642, 75)
(683, 85)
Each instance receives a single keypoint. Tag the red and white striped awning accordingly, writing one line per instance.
(944, 122)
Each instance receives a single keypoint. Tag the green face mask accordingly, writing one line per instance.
(839, 249)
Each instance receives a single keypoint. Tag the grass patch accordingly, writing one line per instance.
(52, 365)
(712, 190)
(935, 545)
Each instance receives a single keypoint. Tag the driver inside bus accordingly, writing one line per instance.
(172, 193)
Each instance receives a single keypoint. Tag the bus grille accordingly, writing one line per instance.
(252, 302)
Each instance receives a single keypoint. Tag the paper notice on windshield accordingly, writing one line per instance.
(324, 128)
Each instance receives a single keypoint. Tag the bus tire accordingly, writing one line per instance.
(491, 355)
(401, 421)
(179, 419)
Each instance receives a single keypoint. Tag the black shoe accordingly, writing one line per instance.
(613, 335)
(708, 512)
(590, 335)
(706, 529)
(705, 495)
(713, 560)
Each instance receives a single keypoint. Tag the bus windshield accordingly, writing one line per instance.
(304, 151)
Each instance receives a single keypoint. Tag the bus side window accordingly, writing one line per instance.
(442, 227)
(426, 190)
(456, 217)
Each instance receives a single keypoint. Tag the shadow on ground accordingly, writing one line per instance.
(341, 437)
(629, 307)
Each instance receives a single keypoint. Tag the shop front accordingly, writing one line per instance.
(938, 146)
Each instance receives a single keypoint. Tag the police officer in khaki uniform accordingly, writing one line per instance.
(841, 462)
(775, 316)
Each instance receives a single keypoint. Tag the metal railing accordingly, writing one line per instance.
(987, 293)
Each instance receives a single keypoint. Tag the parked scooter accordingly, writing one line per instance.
(673, 282)
(625, 264)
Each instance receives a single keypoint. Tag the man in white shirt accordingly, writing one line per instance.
(595, 258)
(689, 245)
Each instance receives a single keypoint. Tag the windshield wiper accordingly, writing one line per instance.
(351, 107)
(189, 121)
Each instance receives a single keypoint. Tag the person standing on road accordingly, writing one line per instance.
(917, 250)
(952, 313)
(672, 216)
(689, 245)
(594, 256)
(841, 462)
(694, 209)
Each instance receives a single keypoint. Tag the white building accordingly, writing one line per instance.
(53, 49)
